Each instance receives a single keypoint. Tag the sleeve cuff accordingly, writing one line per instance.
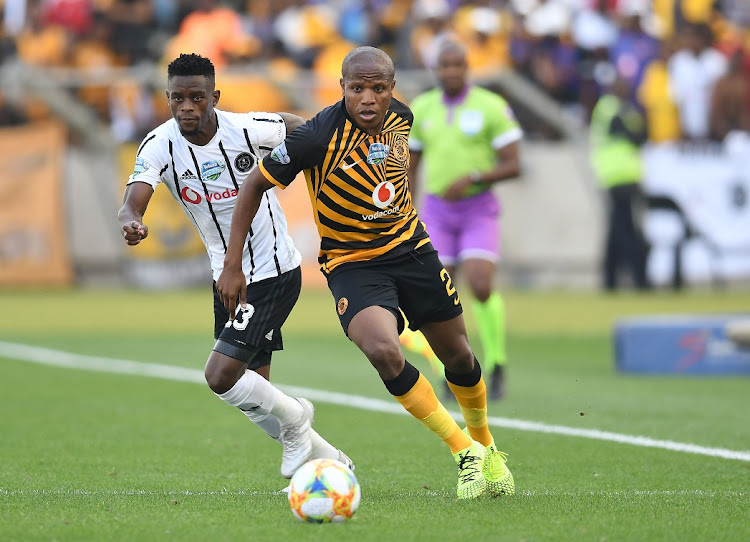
(506, 138)
(270, 178)
(415, 144)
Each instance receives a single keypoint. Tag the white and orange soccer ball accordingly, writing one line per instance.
(324, 490)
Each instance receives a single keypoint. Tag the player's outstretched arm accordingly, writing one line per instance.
(231, 283)
(134, 204)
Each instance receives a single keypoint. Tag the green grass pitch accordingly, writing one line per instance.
(91, 455)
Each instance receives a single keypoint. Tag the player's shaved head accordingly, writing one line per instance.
(452, 67)
(451, 47)
(368, 56)
(367, 81)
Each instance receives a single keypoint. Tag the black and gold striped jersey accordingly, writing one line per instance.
(357, 184)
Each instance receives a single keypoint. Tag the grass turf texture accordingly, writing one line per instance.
(95, 456)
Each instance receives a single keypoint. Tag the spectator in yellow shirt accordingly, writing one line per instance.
(654, 94)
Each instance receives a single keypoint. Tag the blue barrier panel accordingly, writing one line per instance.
(684, 344)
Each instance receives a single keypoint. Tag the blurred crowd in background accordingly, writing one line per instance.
(687, 61)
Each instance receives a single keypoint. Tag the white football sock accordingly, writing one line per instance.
(261, 402)
(272, 427)
(263, 419)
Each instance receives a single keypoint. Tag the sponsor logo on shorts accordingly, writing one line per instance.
(244, 162)
(342, 305)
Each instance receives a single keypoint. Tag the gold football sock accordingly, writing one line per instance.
(473, 403)
(422, 403)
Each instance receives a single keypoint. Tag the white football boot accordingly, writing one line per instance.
(296, 439)
(320, 447)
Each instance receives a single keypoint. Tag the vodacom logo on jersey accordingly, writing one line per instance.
(382, 196)
(191, 196)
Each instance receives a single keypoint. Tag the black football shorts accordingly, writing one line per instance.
(415, 282)
(255, 332)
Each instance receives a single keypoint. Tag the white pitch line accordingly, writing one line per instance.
(130, 493)
(70, 360)
(241, 493)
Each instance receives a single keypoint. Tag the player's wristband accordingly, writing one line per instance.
(476, 177)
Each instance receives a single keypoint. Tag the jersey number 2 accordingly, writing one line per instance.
(446, 278)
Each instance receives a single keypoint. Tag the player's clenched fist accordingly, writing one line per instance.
(134, 232)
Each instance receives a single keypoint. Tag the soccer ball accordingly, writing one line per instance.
(323, 490)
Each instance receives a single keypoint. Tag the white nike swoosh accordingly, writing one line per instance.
(348, 166)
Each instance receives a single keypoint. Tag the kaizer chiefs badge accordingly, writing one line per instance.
(400, 150)
(244, 162)
(342, 305)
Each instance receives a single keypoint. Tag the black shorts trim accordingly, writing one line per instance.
(254, 357)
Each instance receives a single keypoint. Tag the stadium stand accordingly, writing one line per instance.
(551, 59)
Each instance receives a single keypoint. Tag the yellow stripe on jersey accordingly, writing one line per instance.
(269, 176)
(357, 185)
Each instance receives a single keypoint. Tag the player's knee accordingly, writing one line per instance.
(385, 356)
(480, 289)
(482, 292)
(220, 378)
(459, 361)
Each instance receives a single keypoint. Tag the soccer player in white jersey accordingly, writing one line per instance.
(203, 155)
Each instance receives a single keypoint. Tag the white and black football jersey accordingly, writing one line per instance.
(205, 181)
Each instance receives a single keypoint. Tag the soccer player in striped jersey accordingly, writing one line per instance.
(203, 156)
(377, 257)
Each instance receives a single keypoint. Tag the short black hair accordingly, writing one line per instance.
(191, 64)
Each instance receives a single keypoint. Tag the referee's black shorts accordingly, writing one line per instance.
(256, 330)
(415, 282)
